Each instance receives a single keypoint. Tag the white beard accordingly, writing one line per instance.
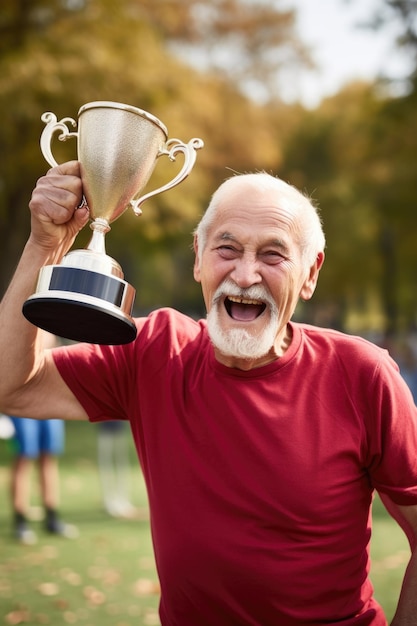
(238, 342)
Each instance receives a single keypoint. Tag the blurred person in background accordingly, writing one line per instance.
(41, 442)
(407, 361)
(114, 469)
(404, 352)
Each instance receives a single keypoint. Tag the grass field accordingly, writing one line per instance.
(107, 576)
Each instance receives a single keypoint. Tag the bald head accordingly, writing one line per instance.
(312, 240)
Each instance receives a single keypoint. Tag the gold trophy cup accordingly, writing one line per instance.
(85, 297)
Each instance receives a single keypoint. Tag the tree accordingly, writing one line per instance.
(356, 156)
(60, 54)
(403, 14)
(247, 43)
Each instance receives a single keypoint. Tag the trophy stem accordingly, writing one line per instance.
(100, 227)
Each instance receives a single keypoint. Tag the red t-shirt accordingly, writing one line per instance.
(260, 482)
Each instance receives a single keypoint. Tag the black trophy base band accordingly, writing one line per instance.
(79, 321)
(90, 283)
(82, 305)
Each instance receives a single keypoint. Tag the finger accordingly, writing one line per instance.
(64, 177)
(71, 168)
(56, 197)
(81, 216)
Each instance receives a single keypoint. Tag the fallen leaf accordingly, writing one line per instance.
(94, 596)
(146, 587)
(48, 589)
(151, 619)
(20, 616)
(111, 577)
(61, 604)
(71, 577)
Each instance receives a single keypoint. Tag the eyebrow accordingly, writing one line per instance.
(225, 236)
(277, 243)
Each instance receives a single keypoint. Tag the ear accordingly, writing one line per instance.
(196, 260)
(310, 282)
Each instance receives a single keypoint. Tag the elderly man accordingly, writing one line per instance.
(261, 440)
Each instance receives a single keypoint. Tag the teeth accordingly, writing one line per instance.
(243, 300)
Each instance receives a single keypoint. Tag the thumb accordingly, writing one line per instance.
(81, 216)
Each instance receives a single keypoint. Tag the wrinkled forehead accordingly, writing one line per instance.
(246, 198)
(258, 188)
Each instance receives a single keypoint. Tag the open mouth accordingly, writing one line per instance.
(243, 309)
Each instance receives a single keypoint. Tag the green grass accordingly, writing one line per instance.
(107, 576)
(390, 553)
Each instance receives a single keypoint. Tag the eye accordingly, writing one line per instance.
(227, 251)
(272, 257)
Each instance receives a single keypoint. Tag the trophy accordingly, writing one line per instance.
(85, 297)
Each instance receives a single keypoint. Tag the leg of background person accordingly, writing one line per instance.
(20, 497)
(21, 476)
(49, 480)
(26, 452)
(114, 469)
(106, 470)
(52, 445)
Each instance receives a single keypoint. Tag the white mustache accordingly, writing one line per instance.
(255, 292)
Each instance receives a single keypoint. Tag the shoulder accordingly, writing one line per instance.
(105, 377)
(350, 352)
(164, 329)
(169, 324)
(167, 338)
(335, 340)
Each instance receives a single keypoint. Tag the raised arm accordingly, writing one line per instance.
(30, 384)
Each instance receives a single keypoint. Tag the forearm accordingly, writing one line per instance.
(19, 344)
(30, 384)
(406, 614)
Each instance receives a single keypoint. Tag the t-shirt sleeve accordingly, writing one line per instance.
(109, 381)
(392, 435)
(99, 376)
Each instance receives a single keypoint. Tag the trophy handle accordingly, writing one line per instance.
(172, 147)
(52, 126)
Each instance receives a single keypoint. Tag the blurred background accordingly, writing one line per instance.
(320, 93)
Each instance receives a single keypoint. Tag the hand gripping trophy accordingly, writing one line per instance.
(85, 297)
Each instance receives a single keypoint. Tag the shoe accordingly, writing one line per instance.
(56, 526)
(24, 534)
(62, 529)
(123, 509)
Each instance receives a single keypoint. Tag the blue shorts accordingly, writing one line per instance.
(34, 437)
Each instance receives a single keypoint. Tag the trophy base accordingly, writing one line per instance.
(82, 305)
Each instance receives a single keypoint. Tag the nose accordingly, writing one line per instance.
(246, 272)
